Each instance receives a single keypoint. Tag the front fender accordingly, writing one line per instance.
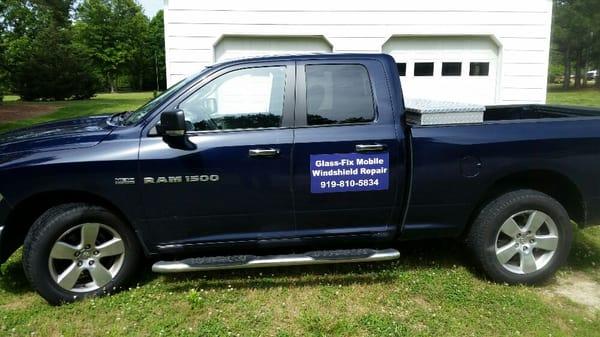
(5, 248)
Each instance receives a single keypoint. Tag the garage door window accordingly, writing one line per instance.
(338, 94)
(424, 69)
(451, 68)
(242, 99)
(401, 68)
(479, 69)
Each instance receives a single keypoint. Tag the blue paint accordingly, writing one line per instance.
(349, 172)
(258, 200)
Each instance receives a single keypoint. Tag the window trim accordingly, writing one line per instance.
(301, 111)
(287, 118)
(201, 132)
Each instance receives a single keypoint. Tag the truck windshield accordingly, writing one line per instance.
(142, 111)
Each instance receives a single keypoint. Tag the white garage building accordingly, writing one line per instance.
(479, 51)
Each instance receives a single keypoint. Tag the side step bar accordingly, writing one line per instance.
(251, 261)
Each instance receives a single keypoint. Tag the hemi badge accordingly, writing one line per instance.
(124, 181)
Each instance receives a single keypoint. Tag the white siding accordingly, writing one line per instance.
(196, 30)
(232, 47)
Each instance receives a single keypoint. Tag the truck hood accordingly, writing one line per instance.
(65, 134)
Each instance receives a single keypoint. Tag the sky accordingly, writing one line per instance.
(151, 6)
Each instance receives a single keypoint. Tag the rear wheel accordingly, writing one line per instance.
(521, 237)
(78, 250)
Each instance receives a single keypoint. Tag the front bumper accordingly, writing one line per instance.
(4, 211)
(592, 214)
(1, 226)
(2, 259)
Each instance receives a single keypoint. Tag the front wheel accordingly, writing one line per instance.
(78, 250)
(521, 237)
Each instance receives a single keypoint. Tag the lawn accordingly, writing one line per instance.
(431, 291)
(101, 104)
(587, 97)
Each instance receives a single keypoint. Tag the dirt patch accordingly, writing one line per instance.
(16, 111)
(579, 288)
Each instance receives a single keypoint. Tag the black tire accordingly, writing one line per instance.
(50, 227)
(484, 233)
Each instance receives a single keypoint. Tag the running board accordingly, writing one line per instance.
(251, 261)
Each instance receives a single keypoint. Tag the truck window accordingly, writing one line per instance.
(338, 94)
(242, 99)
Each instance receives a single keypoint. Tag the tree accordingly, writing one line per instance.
(111, 31)
(3, 67)
(58, 73)
(146, 70)
(44, 54)
(157, 48)
(39, 59)
(16, 21)
(576, 37)
(140, 62)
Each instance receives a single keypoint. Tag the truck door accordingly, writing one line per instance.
(348, 160)
(232, 181)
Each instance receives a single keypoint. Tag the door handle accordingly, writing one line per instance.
(263, 152)
(370, 147)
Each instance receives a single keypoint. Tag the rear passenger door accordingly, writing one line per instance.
(347, 159)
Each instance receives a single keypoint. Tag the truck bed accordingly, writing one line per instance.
(422, 112)
(536, 111)
(454, 165)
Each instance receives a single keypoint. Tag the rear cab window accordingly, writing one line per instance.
(338, 94)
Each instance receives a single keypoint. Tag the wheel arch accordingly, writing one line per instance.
(25, 212)
(552, 183)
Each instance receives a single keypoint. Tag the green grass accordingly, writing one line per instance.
(11, 98)
(587, 97)
(428, 291)
(431, 291)
(101, 104)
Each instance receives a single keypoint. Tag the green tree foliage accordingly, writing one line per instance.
(576, 39)
(59, 10)
(114, 33)
(3, 68)
(146, 69)
(51, 50)
(16, 23)
(157, 48)
(38, 56)
(50, 67)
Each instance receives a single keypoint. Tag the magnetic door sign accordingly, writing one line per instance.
(349, 172)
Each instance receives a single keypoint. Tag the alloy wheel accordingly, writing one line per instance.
(526, 242)
(86, 257)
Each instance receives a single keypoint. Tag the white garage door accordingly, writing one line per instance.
(446, 68)
(233, 47)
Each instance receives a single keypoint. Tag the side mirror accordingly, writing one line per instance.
(172, 123)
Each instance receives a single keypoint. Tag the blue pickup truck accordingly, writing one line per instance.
(290, 160)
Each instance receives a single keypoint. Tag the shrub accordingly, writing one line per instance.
(51, 67)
